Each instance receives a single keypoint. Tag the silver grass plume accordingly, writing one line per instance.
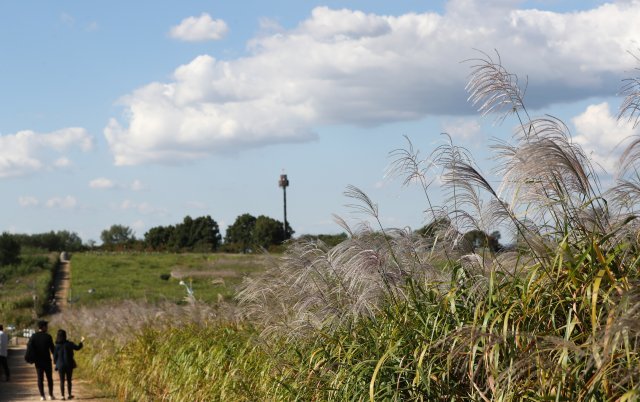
(492, 89)
(630, 107)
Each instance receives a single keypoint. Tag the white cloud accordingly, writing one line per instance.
(28, 201)
(600, 135)
(142, 207)
(348, 67)
(67, 19)
(137, 185)
(62, 162)
(92, 26)
(27, 152)
(138, 227)
(462, 129)
(67, 202)
(102, 183)
(194, 29)
(105, 183)
(268, 25)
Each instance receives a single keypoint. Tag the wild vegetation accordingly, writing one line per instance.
(390, 314)
(25, 284)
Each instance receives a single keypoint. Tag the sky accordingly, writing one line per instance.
(140, 113)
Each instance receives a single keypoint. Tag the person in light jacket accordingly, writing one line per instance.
(4, 350)
(65, 363)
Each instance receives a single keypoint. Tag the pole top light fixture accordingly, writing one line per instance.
(284, 182)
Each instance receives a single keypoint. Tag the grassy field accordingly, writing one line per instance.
(100, 277)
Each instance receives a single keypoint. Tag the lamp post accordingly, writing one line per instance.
(284, 183)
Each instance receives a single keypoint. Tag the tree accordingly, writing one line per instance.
(200, 234)
(117, 235)
(331, 240)
(249, 232)
(478, 238)
(9, 250)
(158, 237)
(436, 226)
(239, 236)
(267, 232)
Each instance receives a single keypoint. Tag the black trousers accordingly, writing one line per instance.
(5, 366)
(65, 374)
(41, 370)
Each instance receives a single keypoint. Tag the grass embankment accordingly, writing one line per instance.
(20, 283)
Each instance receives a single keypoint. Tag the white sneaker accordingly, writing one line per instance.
(42, 398)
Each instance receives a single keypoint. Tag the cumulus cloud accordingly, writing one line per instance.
(144, 208)
(202, 28)
(349, 67)
(105, 183)
(601, 135)
(67, 202)
(62, 162)
(462, 129)
(27, 152)
(102, 183)
(137, 185)
(28, 201)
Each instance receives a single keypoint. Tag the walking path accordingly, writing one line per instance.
(23, 385)
(62, 282)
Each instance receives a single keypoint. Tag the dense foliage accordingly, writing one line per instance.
(249, 233)
(199, 235)
(61, 240)
(9, 250)
(25, 288)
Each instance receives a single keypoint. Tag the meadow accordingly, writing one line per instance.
(391, 314)
(108, 277)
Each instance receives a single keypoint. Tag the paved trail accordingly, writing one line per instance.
(23, 386)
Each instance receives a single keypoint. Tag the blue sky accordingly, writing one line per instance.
(142, 112)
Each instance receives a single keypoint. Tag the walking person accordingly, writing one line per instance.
(4, 350)
(39, 349)
(63, 358)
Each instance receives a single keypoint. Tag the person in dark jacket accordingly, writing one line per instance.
(41, 347)
(63, 358)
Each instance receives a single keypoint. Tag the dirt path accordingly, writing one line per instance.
(62, 282)
(23, 385)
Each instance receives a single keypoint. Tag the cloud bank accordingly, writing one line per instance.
(27, 152)
(349, 67)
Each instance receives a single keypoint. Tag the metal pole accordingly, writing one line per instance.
(284, 183)
(284, 192)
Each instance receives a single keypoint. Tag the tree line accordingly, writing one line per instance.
(202, 234)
